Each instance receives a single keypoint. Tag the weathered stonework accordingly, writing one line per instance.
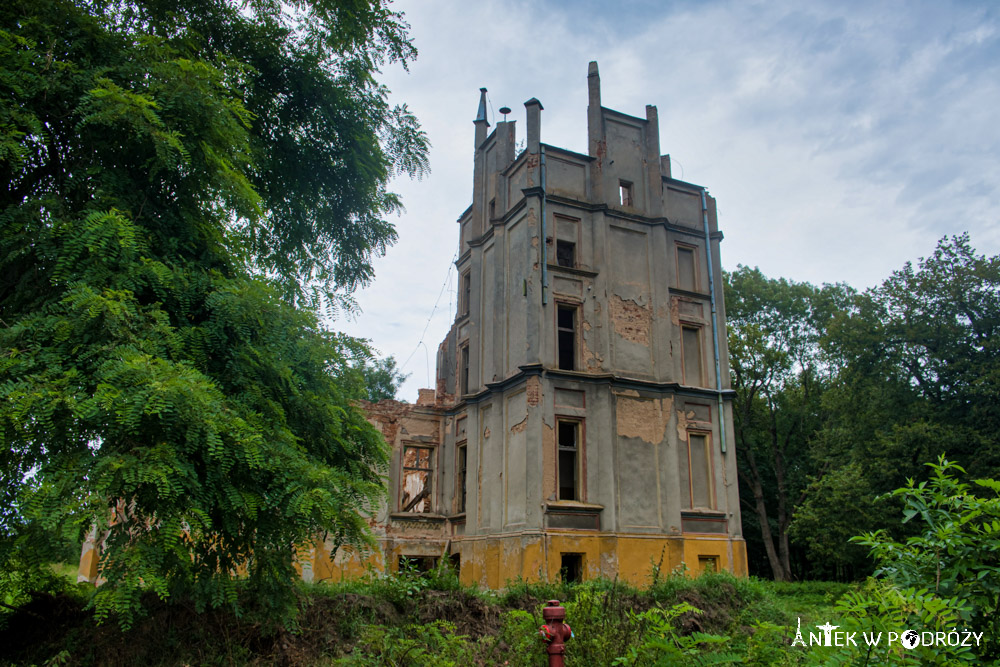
(587, 252)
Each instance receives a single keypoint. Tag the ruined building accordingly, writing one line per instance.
(582, 417)
(581, 425)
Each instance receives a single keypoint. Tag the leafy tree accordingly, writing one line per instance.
(943, 578)
(917, 361)
(840, 397)
(181, 175)
(382, 378)
(779, 374)
(956, 553)
(925, 347)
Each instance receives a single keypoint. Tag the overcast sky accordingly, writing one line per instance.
(841, 139)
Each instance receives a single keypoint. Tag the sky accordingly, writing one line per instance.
(841, 139)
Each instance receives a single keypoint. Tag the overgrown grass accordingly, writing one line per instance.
(430, 619)
(810, 600)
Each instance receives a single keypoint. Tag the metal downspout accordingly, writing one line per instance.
(715, 321)
(545, 245)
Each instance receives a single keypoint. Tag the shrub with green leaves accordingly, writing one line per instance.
(956, 553)
(944, 578)
(426, 645)
(661, 643)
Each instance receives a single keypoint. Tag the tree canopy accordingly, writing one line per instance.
(382, 378)
(187, 182)
(841, 397)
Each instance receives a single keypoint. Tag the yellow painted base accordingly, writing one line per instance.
(493, 561)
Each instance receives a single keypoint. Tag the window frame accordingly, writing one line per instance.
(465, 296)
(463, 369)
(461, 476)
(626, 193)
(565, 229)
(576, 309)
(580, 470)
(430, 470)
(713, 500)
(703, 379)
(572, 253)
(696, 274)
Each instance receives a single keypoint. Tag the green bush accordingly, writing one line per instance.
(424, 645)
(956, 554)
(944, 578)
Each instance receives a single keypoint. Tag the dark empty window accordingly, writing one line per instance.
(686, 277)
(568, 434)
(625, 192)
(466, 293)
(462, 464)
(566, 253)
(566, 337)
(463, 371)
(571, 568)
(417, 564)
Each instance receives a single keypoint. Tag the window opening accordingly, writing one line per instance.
(568, 435)
(571, 568)
(462, 465)
(566, 253)
(625, 192)
(466, 297)
(693, 369)
(463, 374)
(493, 208)
(696, 473)
(417, 564)
(708, 563)
(417, 476)
(566, 337)
(686, 277)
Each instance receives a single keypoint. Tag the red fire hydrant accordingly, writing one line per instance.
(555, 632)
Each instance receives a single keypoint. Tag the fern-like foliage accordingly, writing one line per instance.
(186, 181)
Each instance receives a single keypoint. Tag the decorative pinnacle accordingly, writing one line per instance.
(481, 115)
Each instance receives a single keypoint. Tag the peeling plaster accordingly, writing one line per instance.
(683, 419)
(519, 426)
(645, 419)
(591, 359)
(630, 320)
(534, 391)
(675, 311)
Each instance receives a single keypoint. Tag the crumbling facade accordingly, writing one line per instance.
(581, 422)
(581, 425)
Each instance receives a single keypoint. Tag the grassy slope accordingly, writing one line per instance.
(424, 621)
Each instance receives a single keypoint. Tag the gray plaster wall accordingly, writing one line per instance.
(629, 389)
